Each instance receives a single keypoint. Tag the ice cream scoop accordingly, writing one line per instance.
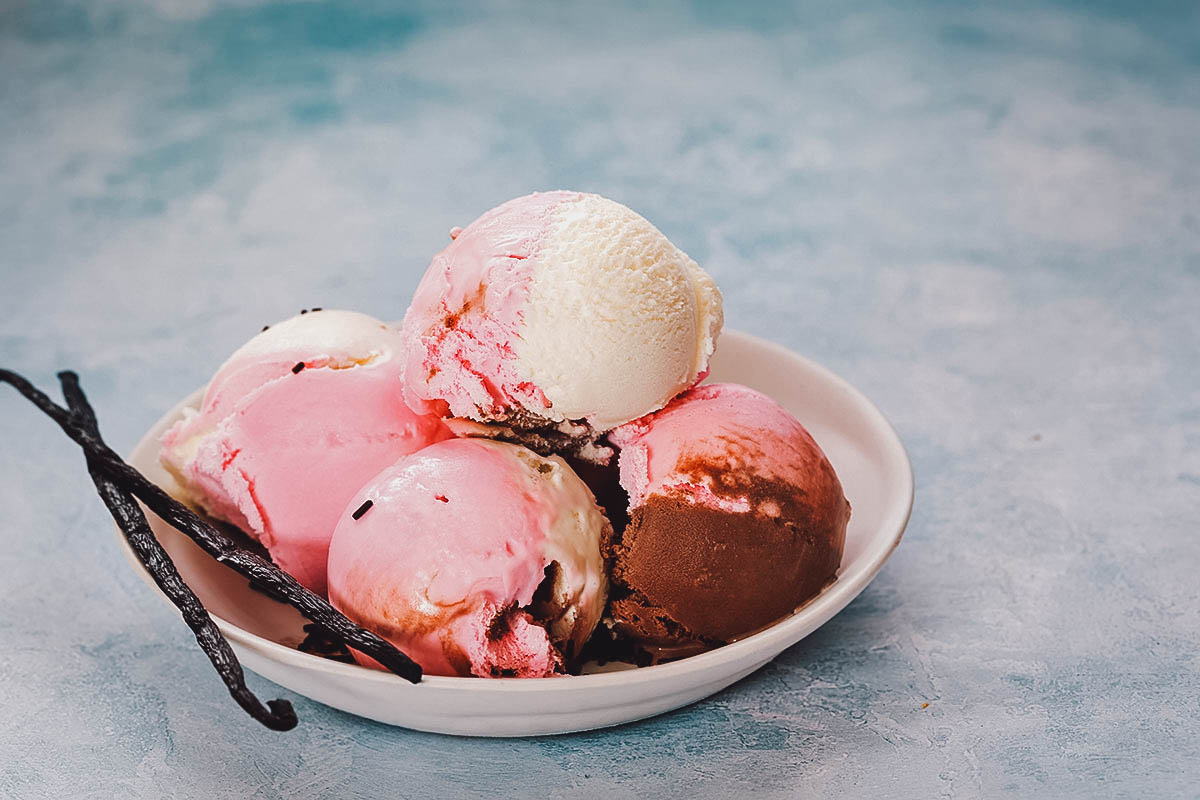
(736, 519)
(475, 557)
(291, 426)
(557, 316)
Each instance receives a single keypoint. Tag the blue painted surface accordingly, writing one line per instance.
(988, 218)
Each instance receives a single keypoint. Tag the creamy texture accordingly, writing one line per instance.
(292, 425)
(726, 424)
(476, 558)
(736, 519)
(334, 339)
(561, 306)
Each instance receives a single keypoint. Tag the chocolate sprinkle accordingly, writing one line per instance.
(364, 508)
(296, 369)
(265, 328)
(279, 584)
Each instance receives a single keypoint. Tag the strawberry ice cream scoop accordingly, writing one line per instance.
(291, 426)
(475, 557)
(561, 314)
(736, 519)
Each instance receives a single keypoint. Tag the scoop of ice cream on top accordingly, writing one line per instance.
(561, 313)
(736, 519)
(291, 426)
(475, 557)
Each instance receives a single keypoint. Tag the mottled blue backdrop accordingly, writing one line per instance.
(987, 217)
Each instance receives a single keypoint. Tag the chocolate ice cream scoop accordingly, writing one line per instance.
(736, 519)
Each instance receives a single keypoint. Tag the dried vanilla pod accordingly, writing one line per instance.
(277, 714)
(272, 580)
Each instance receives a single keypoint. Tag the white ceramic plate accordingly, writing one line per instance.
(865, 451)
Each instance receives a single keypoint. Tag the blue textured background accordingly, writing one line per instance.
(986, 218)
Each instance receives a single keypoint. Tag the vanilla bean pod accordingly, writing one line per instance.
(277, 583)
(277, 714)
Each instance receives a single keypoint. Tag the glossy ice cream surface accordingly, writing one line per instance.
(291, 426)
(736, 519)
(475, 557)
(559, 312)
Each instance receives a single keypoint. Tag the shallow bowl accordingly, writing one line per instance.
(863, 447)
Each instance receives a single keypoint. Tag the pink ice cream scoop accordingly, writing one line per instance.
(475, 557)
(558, 314)
(291, 426)
(736, 519)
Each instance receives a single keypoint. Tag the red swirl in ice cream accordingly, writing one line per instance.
(558, 309)
(736, 518)
(291, 426)
(475, 557)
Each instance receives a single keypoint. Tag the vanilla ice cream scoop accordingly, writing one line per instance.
(475, 557)
(292, 425)
(558, 312)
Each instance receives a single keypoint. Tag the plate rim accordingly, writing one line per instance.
(820, 609)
